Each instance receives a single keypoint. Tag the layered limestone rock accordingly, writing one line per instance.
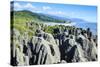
(66, 46)
(47, 52)
(37, 50)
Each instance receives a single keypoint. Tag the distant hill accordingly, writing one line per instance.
(58, 17)
(20, 20)
(29, 16)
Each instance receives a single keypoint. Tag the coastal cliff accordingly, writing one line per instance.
(42, 44)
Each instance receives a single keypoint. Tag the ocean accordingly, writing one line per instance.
(84, 25)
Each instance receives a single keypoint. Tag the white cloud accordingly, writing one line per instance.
(60, 12)
(29, 5)
(17, 5)
(46, 8)
(38, 11)
(56, 13)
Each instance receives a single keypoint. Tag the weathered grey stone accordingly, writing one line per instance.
(63, 61)
(49, 38)
(92, 51)
(43, 56)
(73, 45)
(26, 60)
(45, 46)
(40, 57)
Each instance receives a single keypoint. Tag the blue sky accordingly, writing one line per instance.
(88, 13)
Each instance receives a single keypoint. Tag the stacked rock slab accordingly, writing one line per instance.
(74, 45)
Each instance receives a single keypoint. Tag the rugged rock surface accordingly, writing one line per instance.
(37, 50)
(66, 46)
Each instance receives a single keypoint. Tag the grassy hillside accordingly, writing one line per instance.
(23, 16)
(20, 20)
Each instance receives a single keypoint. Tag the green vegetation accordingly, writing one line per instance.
(26, 21)
(30, 16)
(20, 20)
(54, 30)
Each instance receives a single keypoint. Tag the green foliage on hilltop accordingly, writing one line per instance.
(22, 20)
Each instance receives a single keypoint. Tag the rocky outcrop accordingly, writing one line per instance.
(37, 50)
(45, 51)
(74, 45)
(77, 48)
